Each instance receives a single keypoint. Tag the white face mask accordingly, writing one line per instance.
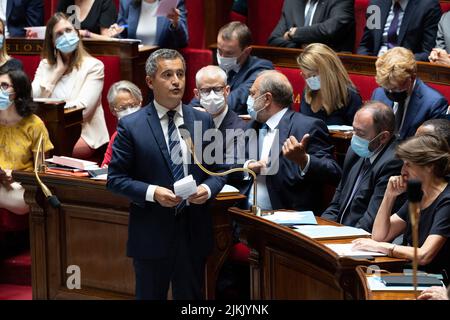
(126, 112)
(212, 102)
(227, 64)
(313, 83)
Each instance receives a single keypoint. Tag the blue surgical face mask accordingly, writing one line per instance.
(251, 107)
(361, 146)
(313, 83)
(5, 102)
(67, 42)
(2, 40)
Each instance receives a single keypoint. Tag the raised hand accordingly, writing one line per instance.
(174, 16)
(296, 151)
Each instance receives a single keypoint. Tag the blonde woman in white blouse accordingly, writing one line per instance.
(68, 72)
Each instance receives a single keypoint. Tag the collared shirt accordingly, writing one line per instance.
(395, 107)
(384, 44)
(308, 23)
(219, 119)
(164, 120)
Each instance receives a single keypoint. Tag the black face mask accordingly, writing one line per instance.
(396, 96)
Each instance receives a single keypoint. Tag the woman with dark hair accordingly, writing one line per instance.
(20, 130)
(5, 60)
(68, 72)
(426, 158)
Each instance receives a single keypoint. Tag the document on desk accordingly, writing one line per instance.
(165, 7)
(331, 232)
(292, 217)
(185, 187)
(335, 127)
(346, 250)
(376, 284)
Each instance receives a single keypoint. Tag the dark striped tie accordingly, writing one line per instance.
(176, 156)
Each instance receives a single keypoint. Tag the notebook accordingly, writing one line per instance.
(399, 281)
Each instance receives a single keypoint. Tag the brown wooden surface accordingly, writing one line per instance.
(288, 265)
(63, 125)
(90, 230)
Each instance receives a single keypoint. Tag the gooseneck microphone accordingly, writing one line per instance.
(415, 193)
(186, 136)
(52, 199)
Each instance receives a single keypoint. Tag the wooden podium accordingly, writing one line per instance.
(90, 230)
(285, 264)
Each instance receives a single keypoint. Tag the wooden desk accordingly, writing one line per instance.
(90, 230)
(63, 125)
(285, 264)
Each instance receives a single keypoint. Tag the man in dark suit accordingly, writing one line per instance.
(233, 56)
(169, 237)
(290, 173)
(22, 13)
(411, 24)
(302, 22)
(411, 99)
(368, 165)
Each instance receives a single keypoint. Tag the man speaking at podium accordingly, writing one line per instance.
(169, 238)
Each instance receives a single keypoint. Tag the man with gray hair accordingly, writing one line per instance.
(368, 165)
(124, 98)
(285, 181)
(170, 235)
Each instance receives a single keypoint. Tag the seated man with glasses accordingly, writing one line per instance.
(124, 98)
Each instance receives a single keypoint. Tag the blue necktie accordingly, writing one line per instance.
(175, 153)
(392, 32)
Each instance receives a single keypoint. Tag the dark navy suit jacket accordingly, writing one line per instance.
(23, 13)
(417, 31)
(166, 36)
(141, 157)
(425, 103)
(367, 199)
(287, 188)
(342, 116)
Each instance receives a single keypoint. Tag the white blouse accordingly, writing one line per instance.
(146, 29)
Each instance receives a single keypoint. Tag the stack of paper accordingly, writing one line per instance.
(228, 190)
(185, 187)
(73, 162)
(292, 217)
(331, 232)
(335, 127)
(346, 250)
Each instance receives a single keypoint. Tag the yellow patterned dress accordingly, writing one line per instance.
(19, 142)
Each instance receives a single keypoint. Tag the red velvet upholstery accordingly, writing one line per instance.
(195, 60)
(234, 16)
(443, 89)
(360, 20)
(365, 85)
(16, 269)
(297, 81)
(445, 6)
(239, 253)
(30, 64)
(263, 16)
(12, 222)
(196, 25)
(15, 292)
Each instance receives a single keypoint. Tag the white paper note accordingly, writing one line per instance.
(165, 7)
(346, 250)
(185, 187)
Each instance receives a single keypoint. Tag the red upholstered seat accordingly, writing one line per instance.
(15, 292)
(297, 81)
(30, 64)
(442, 88)
(195, 60)
(239, 253)
(12, 222)
(196, 25)
(360, 20)
(445, 6)
(263, 16)
(234, 16)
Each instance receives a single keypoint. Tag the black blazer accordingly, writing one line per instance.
(333, 24)
(140, 157)
(287, 188)
(367, 199)
(417, 32)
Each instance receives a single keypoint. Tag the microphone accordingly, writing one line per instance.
(186, 136)
(415, 193)
(52, 199)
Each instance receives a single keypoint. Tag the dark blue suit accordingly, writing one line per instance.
(166, 36)
(342, 116)
(141, 157)
(287, 188)
(23, 13)
(425, 103)
(417, 31)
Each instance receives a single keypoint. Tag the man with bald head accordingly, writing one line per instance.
(368, 165)
(439, 127)
(295, 157)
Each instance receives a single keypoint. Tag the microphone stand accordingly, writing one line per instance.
(40, 154)
(254, 209)
(414, 198)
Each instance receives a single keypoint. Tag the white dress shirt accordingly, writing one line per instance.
(164, 120)
(384, 44)
(308, 23)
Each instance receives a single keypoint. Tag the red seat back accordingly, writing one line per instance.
(263, 16)
(443, 89)
(30, 64)
(360, 20)
(297, 81)
(196, 25)
(365, 84)
(445, 6)
(195, 60)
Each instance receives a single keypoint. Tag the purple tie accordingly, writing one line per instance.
(392, 32)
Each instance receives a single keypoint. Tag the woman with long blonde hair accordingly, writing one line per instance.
(5, 60)
(329, 94)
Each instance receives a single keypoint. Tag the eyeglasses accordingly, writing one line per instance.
(5, 86)
(121, 108)
(206, 91)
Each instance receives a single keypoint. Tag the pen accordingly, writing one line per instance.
(123, 26)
